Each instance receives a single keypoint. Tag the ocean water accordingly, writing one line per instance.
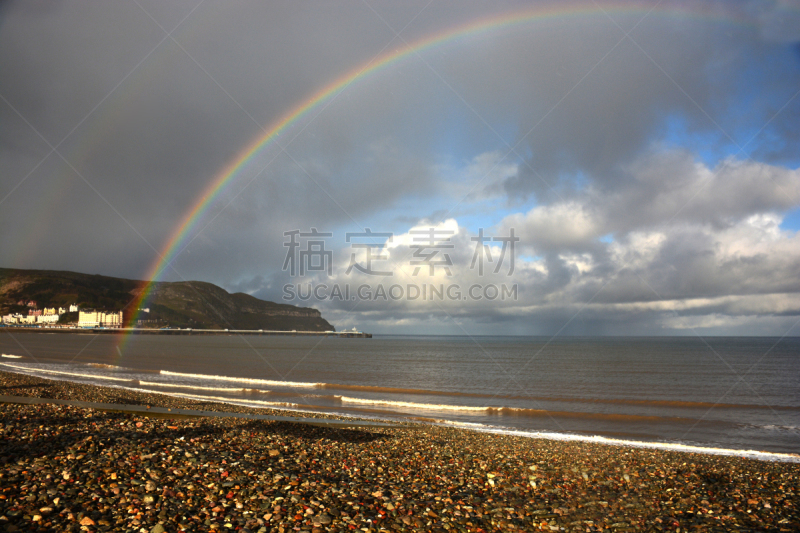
(715, 393)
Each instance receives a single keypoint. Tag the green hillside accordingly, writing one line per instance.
(192, 304)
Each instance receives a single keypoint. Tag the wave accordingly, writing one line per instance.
(224, 399)
(550, 435)
(776, 427)
(414, 405)
(109, 367)
(456, 394)
(611, 441)
(670, 446)
(193, 387)
(615, 401)
(288, 406)
(268, 382)
(522, 411)
(10, 356)
(544, 413)
(61, 372)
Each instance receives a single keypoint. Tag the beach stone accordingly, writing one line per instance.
(158, 528)
(443, 471)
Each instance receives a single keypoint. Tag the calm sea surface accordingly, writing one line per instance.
(733, 393)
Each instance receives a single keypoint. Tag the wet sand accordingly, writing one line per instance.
(65, 468)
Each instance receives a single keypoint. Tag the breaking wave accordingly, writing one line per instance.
(268, 382)
(74, 374)
(226, 400)
(193, 387)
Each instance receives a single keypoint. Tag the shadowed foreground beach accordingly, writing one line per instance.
(64, 468)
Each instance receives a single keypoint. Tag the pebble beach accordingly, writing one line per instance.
(64, 468)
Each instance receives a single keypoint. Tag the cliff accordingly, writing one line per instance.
(194, 304)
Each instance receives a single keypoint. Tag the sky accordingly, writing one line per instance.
(523, 168)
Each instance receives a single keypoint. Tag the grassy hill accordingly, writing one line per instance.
(194, 304)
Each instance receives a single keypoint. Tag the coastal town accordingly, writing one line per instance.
(55, 316)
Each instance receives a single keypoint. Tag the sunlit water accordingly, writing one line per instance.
(733, 393)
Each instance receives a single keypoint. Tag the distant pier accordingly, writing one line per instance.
(191, 331)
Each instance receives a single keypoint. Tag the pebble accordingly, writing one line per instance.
(225, 474)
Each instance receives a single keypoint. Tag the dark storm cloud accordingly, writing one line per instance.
(644, 138)
(667, 69)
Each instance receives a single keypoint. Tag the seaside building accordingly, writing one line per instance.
(87, 319)
(113, 320)
(34, 312)
(61, 310)
(47, 319)
(94, 319)
(30, 319)
(49, 311)
(73, 308)
(12, 319)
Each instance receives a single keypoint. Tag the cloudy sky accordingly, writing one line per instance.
(645, 155)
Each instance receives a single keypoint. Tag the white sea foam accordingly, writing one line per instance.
(222, 399)
(268, 382)
(776, 427)
(10, 356)
(61, 372)
(259, 391)
(193, 387)
(414, 405)
(677, 447)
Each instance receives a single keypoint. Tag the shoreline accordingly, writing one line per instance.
(66, 468)
(761, 455)
(283, 407)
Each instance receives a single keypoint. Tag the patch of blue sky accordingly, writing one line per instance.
(791, 221)
(752, 121)
(762, 104)
(487, 221)
(708, 146)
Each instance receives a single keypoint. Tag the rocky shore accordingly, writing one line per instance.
(63, 468)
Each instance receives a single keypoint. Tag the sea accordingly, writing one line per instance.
(729, 395)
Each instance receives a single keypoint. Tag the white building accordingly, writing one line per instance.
(112, 320)
(47, 319)
(73, 308)
(12, 319)
(87, 319)
(94, 319)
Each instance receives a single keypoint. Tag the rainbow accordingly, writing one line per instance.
(540, 13)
